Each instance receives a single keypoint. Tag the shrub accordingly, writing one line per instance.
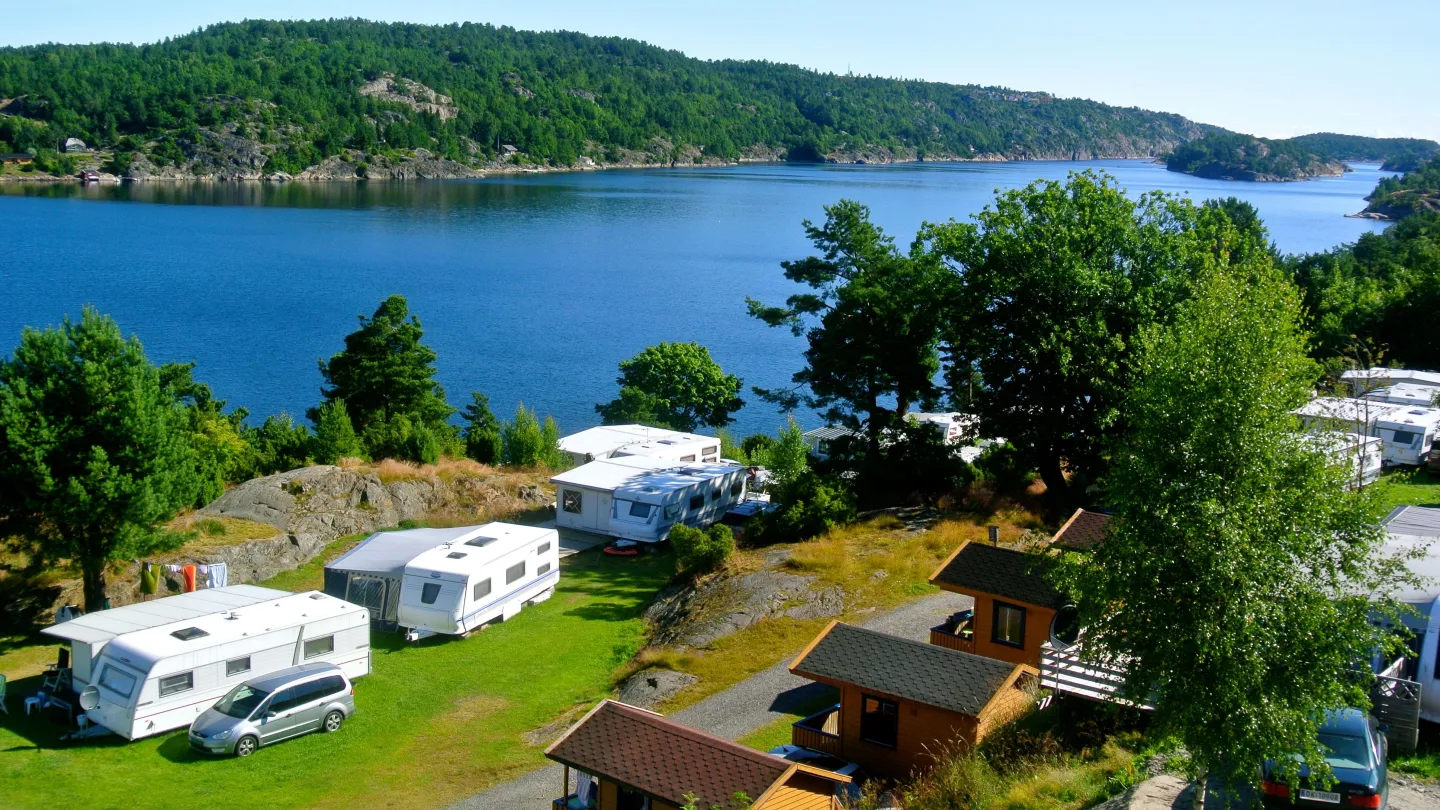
(334, 437)
(1005, 468)
(755, 447)
(809, 507)
(698, 551)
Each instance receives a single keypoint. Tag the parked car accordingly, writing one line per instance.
(89, 177)
(1357, 751)
(275, 707)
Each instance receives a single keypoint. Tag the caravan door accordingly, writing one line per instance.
(604, 505)
(367, 592)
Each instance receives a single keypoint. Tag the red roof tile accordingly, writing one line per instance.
(1082, 531)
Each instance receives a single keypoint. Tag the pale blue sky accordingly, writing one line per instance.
(1270, 68)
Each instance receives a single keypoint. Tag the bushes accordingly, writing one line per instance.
(809, 507)
(698, 551)
(526, 443)
(1004, 467)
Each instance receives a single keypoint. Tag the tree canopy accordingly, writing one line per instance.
(673, 385)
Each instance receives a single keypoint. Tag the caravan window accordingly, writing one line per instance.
(170, 684)
(714, 494)
(319, 646)
(710, 451)
(736, 488)
(1405, 438)
(482, 590)
(544, 547)
(570, 501)
(697, 502)
(544, 569)
(639, 510)
(235, 666)
(117, 680)
(672, 511)
(687, 458)
(514, 572)
(429, 591)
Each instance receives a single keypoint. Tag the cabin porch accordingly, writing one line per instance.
(957, 632)
(819, 731)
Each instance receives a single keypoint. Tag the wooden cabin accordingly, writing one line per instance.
(1082, 531)
(902, 701)
(627, 758)
(1015, 606)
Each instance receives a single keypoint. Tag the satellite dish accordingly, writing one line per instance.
(90, 698)
(1065, 627)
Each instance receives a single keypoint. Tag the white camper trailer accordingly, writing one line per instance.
(88, 634)
(1409, 435)
(371, 573)
(161, 678)
(482, 577)
(608, 441)
(1408, 528)
(1408, 394)
(1406, 433)
(639, 497)
(1362, 454)
(1363, 380)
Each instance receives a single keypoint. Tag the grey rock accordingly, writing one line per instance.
(825, 604)
(879, 575)
(650, 687)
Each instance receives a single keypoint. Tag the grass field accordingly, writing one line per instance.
(437, 720)
(1407, 486)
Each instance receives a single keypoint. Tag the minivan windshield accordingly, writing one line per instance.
(241, 701)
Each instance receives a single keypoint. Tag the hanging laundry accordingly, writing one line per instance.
(219, 575)
(174, 569)
(150, 578)
(202, 578)
(188, 572)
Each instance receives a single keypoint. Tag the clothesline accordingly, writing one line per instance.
(192, 576)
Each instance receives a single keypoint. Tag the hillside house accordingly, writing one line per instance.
(627, 758)
(901, 701)
(1016, 608)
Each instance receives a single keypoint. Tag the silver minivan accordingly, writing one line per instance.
(264, 710)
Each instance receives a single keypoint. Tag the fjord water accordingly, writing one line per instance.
(530, 288)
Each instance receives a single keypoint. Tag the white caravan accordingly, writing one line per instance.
(640, 498)
(1360, 454)
(1363, 380)
(88, 634)
(637, 440)
(1409, 394)
(485, 576)
(1409, 528)
(161, 678)
(1409, 435)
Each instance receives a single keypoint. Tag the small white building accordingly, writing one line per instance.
(160, 678)
(641, 497)
(484, 576)
(819, 440)
(606, 441)
(1363, 380)
(1408, 394)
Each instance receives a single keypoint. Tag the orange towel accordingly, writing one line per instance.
(189, 573)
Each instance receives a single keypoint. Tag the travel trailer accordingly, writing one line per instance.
(160, 678)
(470, 568)
(1362, 381)
(640, 497)
(487, 576)
(1409, 435)
(1409, 528)
(955, 427)
(607, 441)
(88, 634)
(1346, 415)
(1364, 454)
(1409, 394)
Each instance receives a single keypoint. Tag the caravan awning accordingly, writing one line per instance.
(104, 625)
(388, 552)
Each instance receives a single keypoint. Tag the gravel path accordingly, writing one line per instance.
(734, 712)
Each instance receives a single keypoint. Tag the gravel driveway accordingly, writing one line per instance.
(734, 712)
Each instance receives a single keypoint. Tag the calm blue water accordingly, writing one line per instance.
(529, 288)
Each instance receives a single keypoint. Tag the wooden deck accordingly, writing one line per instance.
(1066, 672)
(820, 732)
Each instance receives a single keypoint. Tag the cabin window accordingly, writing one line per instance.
(544, 547)
(171, 684)
(640, 510)
(688, 458)
(879, 721)
(482, 590)
(235, 666)
(117, 680)
(188, 633)
(570, 501)
(736, 488)
(697, 502)
(429, 592)
(319, 646)
(1009, 625)
(544, 569)
(514, 572)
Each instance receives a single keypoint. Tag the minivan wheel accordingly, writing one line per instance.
(333, 721)
(247, 746)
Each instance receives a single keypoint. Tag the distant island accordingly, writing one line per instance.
(350, 99)
(1229, 156)
(1416, 191)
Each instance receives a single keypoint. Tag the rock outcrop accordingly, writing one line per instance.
(698, 616)
(649, 688)
(412, 94)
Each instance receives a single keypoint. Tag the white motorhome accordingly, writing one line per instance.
(1409, 528)
(160, 678)
(488, 575)
(640, 497)
(607, 441)
(1409, 435)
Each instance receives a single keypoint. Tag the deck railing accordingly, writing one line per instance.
(820, 731)
(944, 636)
(1067, 671)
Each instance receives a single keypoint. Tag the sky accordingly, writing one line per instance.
(1275, 68)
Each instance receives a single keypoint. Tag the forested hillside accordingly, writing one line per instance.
(259, 96)
(1369, 150)
(1229, 156)
(1415, 191)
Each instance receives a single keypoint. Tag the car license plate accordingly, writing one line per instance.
(1320, 796)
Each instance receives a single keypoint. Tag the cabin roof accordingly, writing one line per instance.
(143, 648)
(638, 475)
(103, 625)
(1082, 531)
(913, 670)
(1002, 572)
(605, 438)
(662, 758)
(489, 543)
(1417, 521)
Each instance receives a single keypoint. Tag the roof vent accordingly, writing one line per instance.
(317, 596)
(479, 541)
(189, 633)
(1417, 412)
(456, 555)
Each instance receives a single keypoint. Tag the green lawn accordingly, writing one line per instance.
(1407, 486)
(437, 720)
(777, 731)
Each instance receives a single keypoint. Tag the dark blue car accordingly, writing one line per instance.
(1356, 751)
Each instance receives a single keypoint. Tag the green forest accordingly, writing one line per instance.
(1415, 191)
(1233, 156)
(294, 88)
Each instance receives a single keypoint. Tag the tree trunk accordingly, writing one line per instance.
(1057, 489)
(93, 576)
(1197, 799)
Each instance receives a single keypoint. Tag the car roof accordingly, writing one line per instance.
(1346, 723)
(281, 678)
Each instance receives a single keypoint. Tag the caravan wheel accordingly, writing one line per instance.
(247, 746)
(333, 721)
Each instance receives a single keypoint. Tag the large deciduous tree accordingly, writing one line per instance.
(674, 385)
(1050, 285)
(872, 325)
(95, 453)
(1235, 584)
